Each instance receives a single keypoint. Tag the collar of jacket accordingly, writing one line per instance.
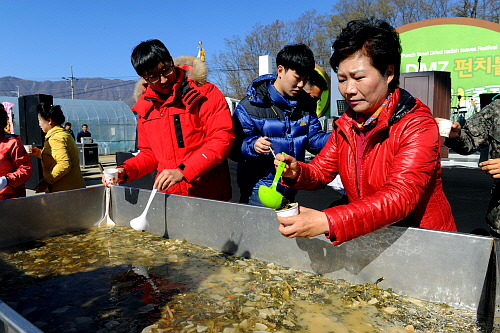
(52, 131)
(151, 95)
(258, 92)
(405, 104)
(278, 98)
(183, 90)
(401, 103)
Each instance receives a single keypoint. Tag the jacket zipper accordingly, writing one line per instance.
(365, 157)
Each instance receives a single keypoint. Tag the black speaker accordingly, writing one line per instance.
(37, 173)
(88, 154)
(30, 132)
(485, 99)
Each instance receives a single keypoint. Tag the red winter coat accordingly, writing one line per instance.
(400, 175)
(15, 165)
(190, 130)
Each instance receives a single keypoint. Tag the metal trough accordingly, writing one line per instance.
(453, 268)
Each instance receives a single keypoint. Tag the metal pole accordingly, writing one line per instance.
(72, 83)
(72, 80)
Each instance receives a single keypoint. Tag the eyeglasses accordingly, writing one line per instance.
(165, 72)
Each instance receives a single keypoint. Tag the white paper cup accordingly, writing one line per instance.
(28, 148)
(111, 176)
(444, 127)
(293, 210)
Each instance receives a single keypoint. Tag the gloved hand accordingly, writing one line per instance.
(3, 182)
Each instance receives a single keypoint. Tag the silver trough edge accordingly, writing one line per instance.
(458, 269)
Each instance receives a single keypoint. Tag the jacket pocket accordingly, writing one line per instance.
(151, 123)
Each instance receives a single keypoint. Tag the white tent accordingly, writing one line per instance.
(111, 123)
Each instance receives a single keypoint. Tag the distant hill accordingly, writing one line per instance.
(87, 88)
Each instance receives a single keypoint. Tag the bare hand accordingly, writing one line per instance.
(262, 145)
(455, 128)
(34, 151)
(167, 178)
(41, 186)
(120, 175)
(292, 168)
(308, 223)
(491, 167)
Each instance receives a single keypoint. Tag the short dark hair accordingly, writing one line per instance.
(316, 79)
(147, 55)
(297, 57)
(67, 124)
(85, 125)
(54, 112)
(375, 38)
(3, 118)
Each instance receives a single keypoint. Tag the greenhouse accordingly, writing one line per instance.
(111, 123)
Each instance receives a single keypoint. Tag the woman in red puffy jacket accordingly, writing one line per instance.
(15, 163)
(385, 147)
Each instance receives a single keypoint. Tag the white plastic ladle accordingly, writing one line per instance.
(106, 220)
(140, 223)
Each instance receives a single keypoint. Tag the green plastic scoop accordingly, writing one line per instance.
(269, 196)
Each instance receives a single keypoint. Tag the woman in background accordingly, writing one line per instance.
(15, 163)
(385, 147)
(60, 163)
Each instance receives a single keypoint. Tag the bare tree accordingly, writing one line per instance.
(488, 10)
(304, 28)
(227, 68)
(237, 65)
(435, 9)
(359, 9)
(412, 11)
(492, 11)
(466, 8)
(310, 29)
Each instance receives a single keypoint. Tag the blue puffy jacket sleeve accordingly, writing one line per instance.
(317, 137)
(247, 132)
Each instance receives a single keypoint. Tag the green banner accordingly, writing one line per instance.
(469, 52)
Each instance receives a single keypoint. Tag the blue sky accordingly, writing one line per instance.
(41, 40)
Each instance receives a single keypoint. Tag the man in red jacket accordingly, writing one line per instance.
(185, 131)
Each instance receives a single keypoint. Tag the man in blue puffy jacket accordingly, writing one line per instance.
(276, 114)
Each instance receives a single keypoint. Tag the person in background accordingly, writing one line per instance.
(184, 126)
(59, 155)
(318, 87)
(276, 114)
(67, 127)
(385, 147)
(15, 163)
(482, 130)
(84, 133)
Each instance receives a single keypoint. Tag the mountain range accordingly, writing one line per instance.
(86, 88)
